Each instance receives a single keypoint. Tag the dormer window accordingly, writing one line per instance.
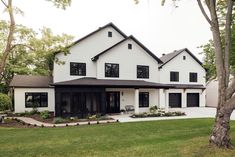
(110, 34)
(129, 46)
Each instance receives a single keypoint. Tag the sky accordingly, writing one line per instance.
(162, 29)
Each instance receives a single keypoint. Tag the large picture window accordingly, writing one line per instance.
(192, 77)
(78, 69)
(174, 76)
(142, 71)
(36, 100)
(111, 70)
(143, 99)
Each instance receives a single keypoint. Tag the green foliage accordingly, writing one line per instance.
(5, 102)
(45, 114)
(58, 120)
(153, 109)
(61, 3)
(158, 113)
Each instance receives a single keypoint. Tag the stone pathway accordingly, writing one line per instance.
(34, 122)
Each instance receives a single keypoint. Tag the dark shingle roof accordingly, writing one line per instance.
(111, 83)
(136, 41)
(31, 81)
(188, 86)
(168, 57)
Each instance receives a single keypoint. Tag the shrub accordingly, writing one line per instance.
(153, 109)
(58, 120)
(5, 102)
(34, 111)
(92, 117)
(45, 114)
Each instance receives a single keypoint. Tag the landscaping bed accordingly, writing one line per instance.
(14, 123)
(48, 117)
(155, 112)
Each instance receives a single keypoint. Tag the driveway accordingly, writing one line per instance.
(192, 112)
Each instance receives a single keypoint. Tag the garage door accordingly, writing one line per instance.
(174, 100)
(192, 99)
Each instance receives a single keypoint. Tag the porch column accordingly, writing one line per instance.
(137, 101)
(166, 100)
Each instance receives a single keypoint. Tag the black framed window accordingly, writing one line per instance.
(36, 99)
(184, 57)
(129, 46)
(143, 99)
(78, 69)
(174, 76)
(110, 34)
(192, 77)
(142, 71)
(111, 70)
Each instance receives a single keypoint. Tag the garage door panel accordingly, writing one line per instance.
(174, 100)
(192, 99)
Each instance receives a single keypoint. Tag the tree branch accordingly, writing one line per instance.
(203, 11)
(4, 3)
(14, 46)
(231, 89)
(10, 37)
(227, 40)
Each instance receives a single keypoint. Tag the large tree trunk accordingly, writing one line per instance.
(220, 134)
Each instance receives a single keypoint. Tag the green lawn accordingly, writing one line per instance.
(178, 138)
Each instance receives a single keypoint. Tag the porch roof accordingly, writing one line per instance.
(112, 83)
(188, 86)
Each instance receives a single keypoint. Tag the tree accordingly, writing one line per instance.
(11, 25)
(226, 100)
(32, 53)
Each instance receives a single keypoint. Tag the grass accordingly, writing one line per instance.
(171, 138)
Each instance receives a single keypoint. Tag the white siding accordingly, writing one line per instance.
(212, 93)
(83, 52)
(184, 67)
(127, 97)
(128, 59)
(19, 99)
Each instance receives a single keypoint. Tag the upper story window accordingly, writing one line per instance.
(143, 99)
(110, 34)
(111, 70)
(174, 76)
(129, 46)
(184, 57)
(142, 71)
(192, 77)
(78, 69)
(36, 100)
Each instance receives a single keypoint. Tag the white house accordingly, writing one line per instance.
(105, 71)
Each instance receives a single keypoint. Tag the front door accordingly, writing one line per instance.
(113, 102)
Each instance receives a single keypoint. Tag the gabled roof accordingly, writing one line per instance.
(168, 57)
(95, 58)
(90, 81)
(27, 81)
(99, 29)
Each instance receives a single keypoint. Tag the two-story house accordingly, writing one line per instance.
(106, 71)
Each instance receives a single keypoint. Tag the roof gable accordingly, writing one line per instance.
(168, 57)
(95, 58)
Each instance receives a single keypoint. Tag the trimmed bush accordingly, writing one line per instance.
(5, 102)
(45, 114)
(58, 120)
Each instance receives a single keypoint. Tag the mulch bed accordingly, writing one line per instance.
(12, 123)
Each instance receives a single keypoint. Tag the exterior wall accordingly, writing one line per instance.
(183, 96)
(212, 93)
(128, 59)
(19, 99)
(128, 97)
(184, 67)
(83, 52)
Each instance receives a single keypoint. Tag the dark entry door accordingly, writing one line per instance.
(175, 100)
(113, 102)
(192, 99)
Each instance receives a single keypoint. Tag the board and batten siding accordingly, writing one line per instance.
(184, 67)
(128, 59)
(83, 52)
(19, 99)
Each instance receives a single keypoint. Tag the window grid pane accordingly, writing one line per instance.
(36, 100)
(142, 71)
(78, 69)
(111, 70)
